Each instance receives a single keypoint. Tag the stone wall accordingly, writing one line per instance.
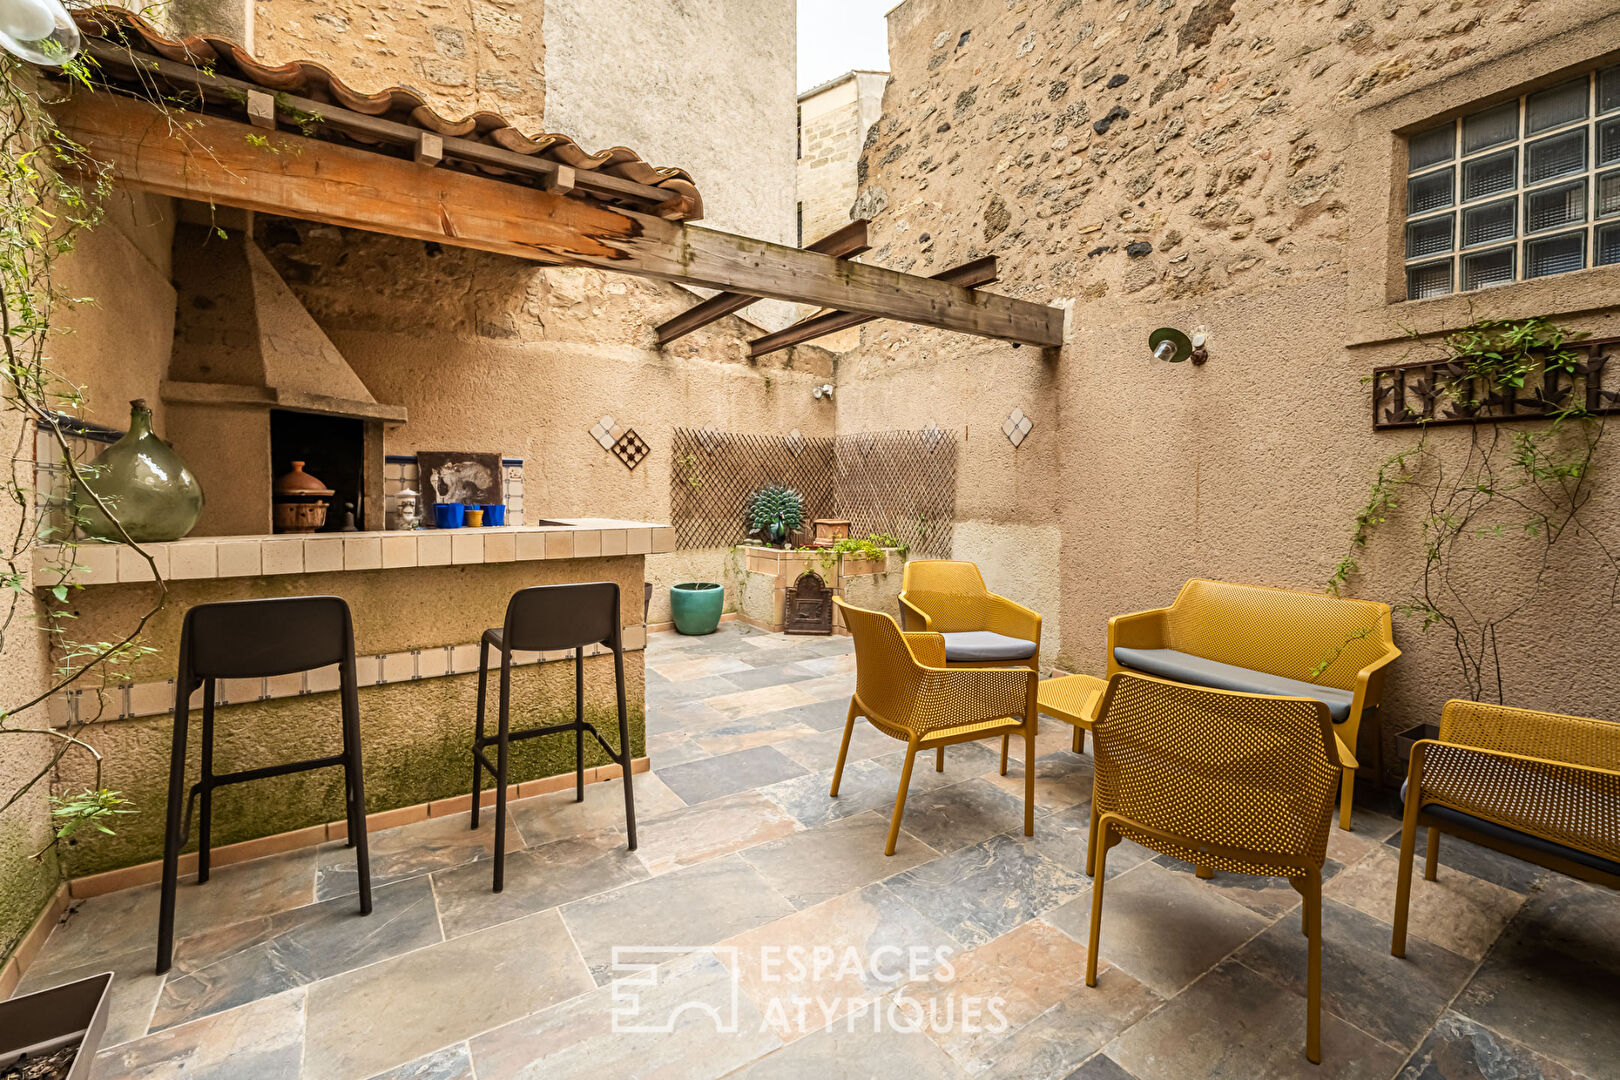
(1218, 164)
(833, 122)
(465, 56)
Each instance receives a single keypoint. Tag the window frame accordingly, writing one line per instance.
(1589, 127)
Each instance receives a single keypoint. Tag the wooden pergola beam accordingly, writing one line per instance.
(212, 160)
(841, 243)
(968, 275)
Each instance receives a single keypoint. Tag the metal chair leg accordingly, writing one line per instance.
(1099, 859)
(843, 748)
(172, 840)
(624, 748)
(900, 799)
(478, 736)
(579, 725)
(1346, 793)
(205, 812)
(354, 783)
(1313, 969)
(1029, 783)
(503, 737)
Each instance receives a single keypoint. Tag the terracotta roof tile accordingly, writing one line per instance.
(400, 104)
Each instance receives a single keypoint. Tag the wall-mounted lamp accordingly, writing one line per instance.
(40, 31)
(1171, 345)
(823, 391)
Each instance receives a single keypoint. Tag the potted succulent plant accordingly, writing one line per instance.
(54, 1034)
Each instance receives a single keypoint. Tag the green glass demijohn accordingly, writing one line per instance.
(144, 482)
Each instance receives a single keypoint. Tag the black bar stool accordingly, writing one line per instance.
(251, 639)
(546, 618)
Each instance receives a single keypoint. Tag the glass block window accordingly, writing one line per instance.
(1520, 190)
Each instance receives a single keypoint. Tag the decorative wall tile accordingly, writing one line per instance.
(606, 432)
(1017, 427)
(630, 449)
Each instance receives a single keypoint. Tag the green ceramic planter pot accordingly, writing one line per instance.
(144, 482)
(696, 606)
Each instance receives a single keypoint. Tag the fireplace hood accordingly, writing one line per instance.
(242, 339)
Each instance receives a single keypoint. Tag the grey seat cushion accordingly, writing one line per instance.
(1514, 836)
(1187, 668)
(978, 646)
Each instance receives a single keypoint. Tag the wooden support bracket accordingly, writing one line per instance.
(560, 182)
(261, 109)
(429, 149)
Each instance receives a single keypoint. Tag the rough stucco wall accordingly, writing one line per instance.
(117, 350)
(464, 56)
(522, 359)
(25, 884)
(1223, 199)
(705, 85)
(416, 736)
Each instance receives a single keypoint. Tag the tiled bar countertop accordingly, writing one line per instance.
(256, 556)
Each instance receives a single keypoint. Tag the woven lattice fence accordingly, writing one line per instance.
(897, 482)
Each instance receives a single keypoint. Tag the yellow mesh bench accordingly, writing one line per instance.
(1257, 640)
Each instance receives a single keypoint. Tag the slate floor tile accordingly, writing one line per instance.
(727, 774)
(695, 834)
(263, 1040)
(1458, 912)
(1054, 1045)
(451, 1063)
(536, 879)
(684, 1023)
(854, 1048)
(953, 817)
(410, 850)
(815, 865)
(382, 1016)
(688, 908)
(1163, 928)
(130, 999)
(980, 892)
(1550, 982)
(1459, 1049)
(556, 816)
(1393, 1000)
(256, 958)
(1237, 1023)
(865, 786)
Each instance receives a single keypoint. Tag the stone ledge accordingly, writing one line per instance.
(264, 556)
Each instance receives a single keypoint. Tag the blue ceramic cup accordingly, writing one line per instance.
(449, 515)
(494, 513)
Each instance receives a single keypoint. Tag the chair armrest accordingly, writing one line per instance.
(1004, 616)
(1141, 630)
(1369, 686)
(1570, 740)
(1565, 803)
(949, 697)
(910, 612)
(927, 649)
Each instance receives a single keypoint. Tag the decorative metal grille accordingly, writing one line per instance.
(1407, 395)
(897, 482)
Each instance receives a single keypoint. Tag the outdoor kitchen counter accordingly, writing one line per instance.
(263, 556)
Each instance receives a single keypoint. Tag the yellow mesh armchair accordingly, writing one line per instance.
(904, 689)
(1239, 782)
(1538, 786)
(979, 628)
(1259, 640)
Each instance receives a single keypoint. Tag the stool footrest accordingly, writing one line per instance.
(619, 756)
(221, 779)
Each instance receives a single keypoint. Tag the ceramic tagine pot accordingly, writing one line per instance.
(300, 507)
(142, 481)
